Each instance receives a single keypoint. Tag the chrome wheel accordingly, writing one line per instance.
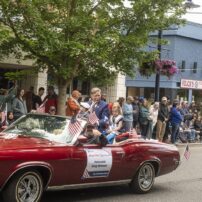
(29, 187)
(145, 177)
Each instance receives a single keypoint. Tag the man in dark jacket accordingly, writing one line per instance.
(136, 111)
(163, 117)
(100, 108)
(175, 119)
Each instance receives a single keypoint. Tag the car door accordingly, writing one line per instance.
(102, 163)
(131, 158)
(92, 163)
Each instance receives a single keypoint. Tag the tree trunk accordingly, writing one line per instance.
(62, 94)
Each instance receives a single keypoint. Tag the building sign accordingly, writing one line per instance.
(191, 84)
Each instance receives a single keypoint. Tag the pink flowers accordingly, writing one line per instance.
(166, 67)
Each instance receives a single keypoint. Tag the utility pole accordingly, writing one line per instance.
(188, 5)
(157, 81)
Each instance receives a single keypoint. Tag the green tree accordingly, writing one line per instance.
(83, 38)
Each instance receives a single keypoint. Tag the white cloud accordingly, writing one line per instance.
(195, 14)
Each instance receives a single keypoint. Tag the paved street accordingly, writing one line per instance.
(183, 185)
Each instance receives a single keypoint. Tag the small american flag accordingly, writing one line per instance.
(74, 127)
(187, 152)
(41, 108)
(92, 118)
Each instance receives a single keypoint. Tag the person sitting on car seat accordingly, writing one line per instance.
(94, 136)
(100, 108)
(116, 124)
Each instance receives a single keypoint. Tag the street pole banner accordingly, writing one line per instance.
(191, 84)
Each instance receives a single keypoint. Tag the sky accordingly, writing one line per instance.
(195, 14)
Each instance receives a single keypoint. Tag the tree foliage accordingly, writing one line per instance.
(88, 39)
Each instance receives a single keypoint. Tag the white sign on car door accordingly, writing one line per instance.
(99, 163)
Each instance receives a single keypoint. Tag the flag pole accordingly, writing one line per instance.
(186, 152)
(6, 112)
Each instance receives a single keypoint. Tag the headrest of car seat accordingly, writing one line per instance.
(123, 136)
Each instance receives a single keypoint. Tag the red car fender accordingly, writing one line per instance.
(24, 165)
(156, 161)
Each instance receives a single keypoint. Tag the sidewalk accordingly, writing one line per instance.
(198, 144)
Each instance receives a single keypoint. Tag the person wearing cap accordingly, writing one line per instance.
(163, 117)
(72, 103)
(128, 114)
(175, 119)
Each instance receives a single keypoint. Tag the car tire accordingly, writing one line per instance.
(24, 186)
(144, 179)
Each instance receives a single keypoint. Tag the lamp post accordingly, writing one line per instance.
(157, 81)
(188, 4)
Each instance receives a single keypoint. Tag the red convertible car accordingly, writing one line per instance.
(41, 152)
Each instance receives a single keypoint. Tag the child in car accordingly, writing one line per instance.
(116, 124)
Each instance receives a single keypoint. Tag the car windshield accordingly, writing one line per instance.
(53, 128)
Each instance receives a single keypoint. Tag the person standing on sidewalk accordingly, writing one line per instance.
(136, 111)
(144, 119)
(163, 117)
(50, 99)
(19, 106)
(128, 114)
(175, 119)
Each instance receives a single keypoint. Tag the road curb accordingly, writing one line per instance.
(190, 145)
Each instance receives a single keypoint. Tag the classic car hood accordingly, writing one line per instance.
(22, 142)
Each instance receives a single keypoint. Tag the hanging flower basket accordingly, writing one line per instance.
(147, 69)
(165, 67)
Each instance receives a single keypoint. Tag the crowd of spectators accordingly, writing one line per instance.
(167, 121)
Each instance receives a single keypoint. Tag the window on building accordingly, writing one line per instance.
(195, 67)
(183, 66)
(178, 84)
(82, 86)
(85, 88)
(4, 82)
(75, 84)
